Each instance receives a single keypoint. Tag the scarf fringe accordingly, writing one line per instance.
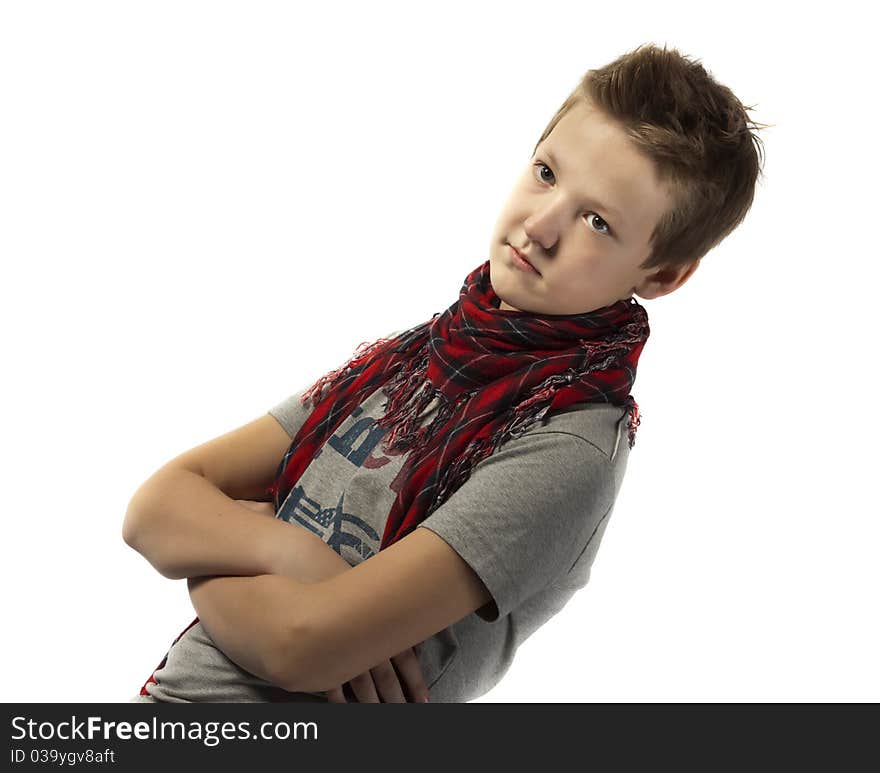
(403, 413)
(519, 421)
(635, 418)
(362, 355)
(524, 416)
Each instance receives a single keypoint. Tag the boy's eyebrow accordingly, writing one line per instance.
(604, 207)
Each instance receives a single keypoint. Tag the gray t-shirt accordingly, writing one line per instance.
(528, 520)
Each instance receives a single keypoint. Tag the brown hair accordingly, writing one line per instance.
(696, 132)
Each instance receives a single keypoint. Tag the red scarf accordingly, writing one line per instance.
(496, 371)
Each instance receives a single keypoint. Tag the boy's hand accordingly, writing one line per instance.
(383, 680)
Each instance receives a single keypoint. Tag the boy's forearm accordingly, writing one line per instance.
(303, 556)
(186, 527)
(246, 617)
(297, 552)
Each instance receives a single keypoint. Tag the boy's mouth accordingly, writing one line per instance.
(517, 254)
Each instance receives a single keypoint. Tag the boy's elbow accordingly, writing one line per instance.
(139, 514)
(129, 530)
(133, 521)
(133, 536)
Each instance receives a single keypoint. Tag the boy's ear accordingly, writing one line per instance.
(664, 280)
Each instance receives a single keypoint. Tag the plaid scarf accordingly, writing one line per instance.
(496, 372)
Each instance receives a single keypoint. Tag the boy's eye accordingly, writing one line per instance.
(591, 215)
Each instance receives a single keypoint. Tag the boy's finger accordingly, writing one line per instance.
(363, 688)
(336, 695)
(410, 670)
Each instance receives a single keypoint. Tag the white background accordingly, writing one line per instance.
(206, 205)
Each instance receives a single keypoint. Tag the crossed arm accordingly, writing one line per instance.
(312, 636)
(249, 617)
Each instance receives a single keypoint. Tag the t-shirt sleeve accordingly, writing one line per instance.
(290, 413)
(526, 513)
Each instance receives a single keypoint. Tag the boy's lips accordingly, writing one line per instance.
(524, 258)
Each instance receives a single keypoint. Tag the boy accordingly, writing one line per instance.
(480, 488)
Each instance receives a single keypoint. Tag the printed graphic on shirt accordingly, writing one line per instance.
(355, 445)
(344, 528)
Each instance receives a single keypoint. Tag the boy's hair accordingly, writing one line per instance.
(696, 132)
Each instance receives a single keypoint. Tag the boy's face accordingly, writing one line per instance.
(582, 217)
